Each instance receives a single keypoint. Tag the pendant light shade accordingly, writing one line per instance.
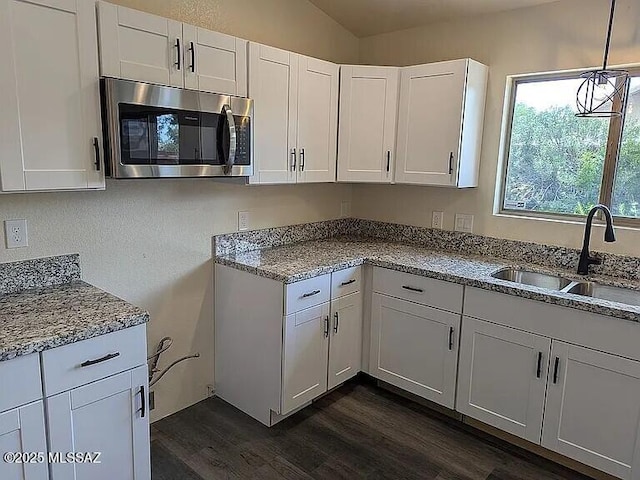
(601, 92)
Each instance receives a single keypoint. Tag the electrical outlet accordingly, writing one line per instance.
(210, 391)
(16, 233)
(345, 209)
(437, 220)
(243, 221)
(464, 223)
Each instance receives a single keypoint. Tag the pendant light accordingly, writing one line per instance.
(600, 88)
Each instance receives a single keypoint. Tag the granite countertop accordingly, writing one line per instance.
(42, 318)
(295, 262)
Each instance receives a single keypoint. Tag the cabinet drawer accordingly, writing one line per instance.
(423, 290)
(307, 293)
(21, 377)
(346, 282)
(84, 362)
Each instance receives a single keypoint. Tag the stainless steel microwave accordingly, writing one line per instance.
(153, 131)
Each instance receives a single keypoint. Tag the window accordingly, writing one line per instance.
(559, 164)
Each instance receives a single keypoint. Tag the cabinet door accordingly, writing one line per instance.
(367, 127)
(414, 347)
(139, 46)
(22, 430)
(593, 409)
(49, 94)
(502, 377)
(317, 120)
(214, 62)
(273, 85)
(430, 122)
(345, 347)
(305, 356)
(108, 416)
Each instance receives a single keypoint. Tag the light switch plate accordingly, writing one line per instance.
(243, 221)
(16, 233)
(464, 223)
(437, 220)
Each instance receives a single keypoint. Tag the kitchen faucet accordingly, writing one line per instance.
(609, 236)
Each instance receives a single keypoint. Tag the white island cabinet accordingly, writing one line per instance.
(290, 344)
(50, 133)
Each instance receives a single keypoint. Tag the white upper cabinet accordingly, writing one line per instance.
(317, 120)
(440, 123)
(50, 135)
(273, 86)
(214, 62)
(592, 412)
(139, 46)
(367, 130)
(296, 116)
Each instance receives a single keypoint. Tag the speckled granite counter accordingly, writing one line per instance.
(299, 261)
(53, 313)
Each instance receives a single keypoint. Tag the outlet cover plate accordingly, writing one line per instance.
(16, 233)
(243, 221)
(437, 220)
(464, 223)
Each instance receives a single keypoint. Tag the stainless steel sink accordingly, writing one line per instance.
(604, 292)
(526, 277)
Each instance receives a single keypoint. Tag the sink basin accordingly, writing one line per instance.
(604, 292)
(534, 279)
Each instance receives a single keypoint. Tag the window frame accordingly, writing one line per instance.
(614, 142)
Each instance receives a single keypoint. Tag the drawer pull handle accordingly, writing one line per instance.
(311, 294)
(556, 368)
(344, 284)
(143, 409)
(110, 356)
(539, 368)
(413, 289)
(451, 332)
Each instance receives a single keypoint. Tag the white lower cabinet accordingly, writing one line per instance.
(502, 377)
(108, 416)
(593, 409)
(22, 430)
(322, 349)
(305, 358)
(414, 347)
(345, 347)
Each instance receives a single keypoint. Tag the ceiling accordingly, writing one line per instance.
(370, 17)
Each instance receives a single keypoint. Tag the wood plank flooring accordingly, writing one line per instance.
(359, 431)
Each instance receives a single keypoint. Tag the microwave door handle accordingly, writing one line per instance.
(233, 139)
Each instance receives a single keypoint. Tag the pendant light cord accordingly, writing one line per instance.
(606, 48)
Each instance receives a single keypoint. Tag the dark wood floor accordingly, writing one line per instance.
(357, 431)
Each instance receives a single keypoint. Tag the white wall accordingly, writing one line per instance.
(564, 35)
(149, 241)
